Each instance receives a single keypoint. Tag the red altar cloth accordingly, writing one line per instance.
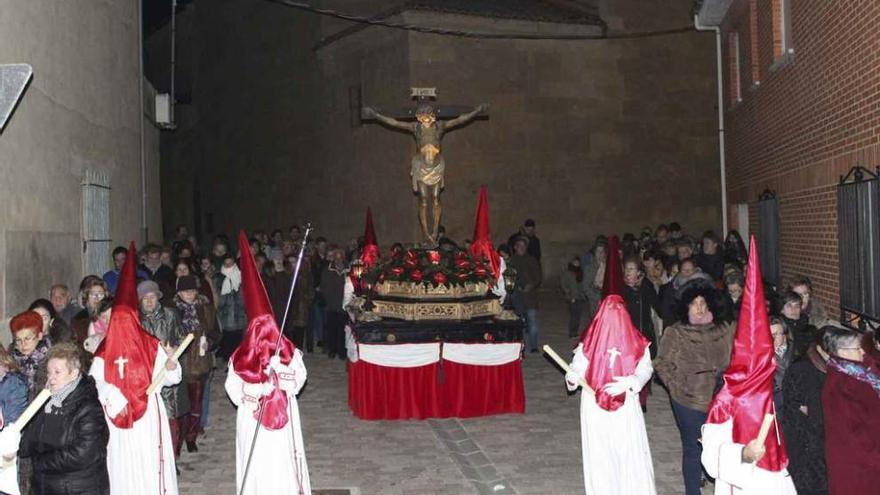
(436, 390)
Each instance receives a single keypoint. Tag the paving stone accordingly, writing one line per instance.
(534, 453)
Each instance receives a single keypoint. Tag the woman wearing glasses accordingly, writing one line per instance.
(850, 400)
(29, 349)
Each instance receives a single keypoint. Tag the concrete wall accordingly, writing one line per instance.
(79, 113)
(586, 137)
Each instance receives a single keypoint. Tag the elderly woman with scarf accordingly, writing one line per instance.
(67, 439)
(230, 306)
(29, 349)
(197, 317)
(164, 324)
(850, 401)
(574, 288)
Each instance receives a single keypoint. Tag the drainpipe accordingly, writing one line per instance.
(140, 20)
(717, 30)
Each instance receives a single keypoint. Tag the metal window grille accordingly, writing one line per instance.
(96, 222)
(768, 237)
(858, 241)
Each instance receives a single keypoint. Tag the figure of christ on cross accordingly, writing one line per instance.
(428, 165)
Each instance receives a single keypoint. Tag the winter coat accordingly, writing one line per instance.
(13, 397)
(802, 422)
(198, 362)
(68, 446)
(852, 449)
(711, 264)
(639, 303)
(278, 289)
(802, 334)
(528, 279)
(333, 288)
(571, 288)
(230, 307)
(164, 324)
(689, 358)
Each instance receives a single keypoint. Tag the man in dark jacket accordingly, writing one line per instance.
(528, 232)
(525, 296)
(710, 259)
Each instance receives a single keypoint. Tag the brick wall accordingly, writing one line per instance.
(814, 116)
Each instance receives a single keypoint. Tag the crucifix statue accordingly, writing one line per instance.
(428, 164)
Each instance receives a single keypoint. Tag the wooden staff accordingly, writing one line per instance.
(31, 410)
(157, 383)
(562, 364)
(765, 428)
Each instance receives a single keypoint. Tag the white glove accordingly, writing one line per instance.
(620, 385)
(268, 388)
(10, 438)
(572, 381)
(273, 366)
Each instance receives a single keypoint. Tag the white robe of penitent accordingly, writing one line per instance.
(279, 464)
(140, 459)
(614, 444)
(722, 458)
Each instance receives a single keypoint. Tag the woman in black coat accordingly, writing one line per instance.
(803, 421)
(67, 439)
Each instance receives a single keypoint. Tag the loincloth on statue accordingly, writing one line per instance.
(429, 175)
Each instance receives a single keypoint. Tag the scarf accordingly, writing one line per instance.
(59, 395)
(231, 279)
(32, 361)
(189, 315)
(706, 319)
(856, 370)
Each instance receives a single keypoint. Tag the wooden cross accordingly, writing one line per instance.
(120, 363)
(444, 111)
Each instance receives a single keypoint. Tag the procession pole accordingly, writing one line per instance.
(277, 352)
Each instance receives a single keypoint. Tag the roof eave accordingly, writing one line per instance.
(712, 12)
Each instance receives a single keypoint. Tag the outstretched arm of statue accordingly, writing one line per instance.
(465, 118)
(371, 113)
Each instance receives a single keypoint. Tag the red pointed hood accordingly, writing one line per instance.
(747, 394)
(481, 247)
(128, 348)
(613, 347)
(370, 254)
(613, 283)
(258, 345)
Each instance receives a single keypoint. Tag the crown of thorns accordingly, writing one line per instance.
(425, 109)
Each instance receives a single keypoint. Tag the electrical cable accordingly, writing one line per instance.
(476, 34)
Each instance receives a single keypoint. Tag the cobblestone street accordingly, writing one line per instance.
(536, 453)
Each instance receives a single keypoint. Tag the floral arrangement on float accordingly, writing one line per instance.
(429, 273)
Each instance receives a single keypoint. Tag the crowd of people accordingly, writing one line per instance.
(682, 296)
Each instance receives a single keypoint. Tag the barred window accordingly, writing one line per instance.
(96, 222)
(858, 243)
(768, 237)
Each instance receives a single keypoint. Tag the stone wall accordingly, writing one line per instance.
(79, 113)
(586, 137)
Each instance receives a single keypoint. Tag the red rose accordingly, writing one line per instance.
(397, 271)
(462, 276)
(434, 257)
(396, 253)
(410, 260)
(439, 278)
(462, 264)
(416, 276)
(481, 271)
